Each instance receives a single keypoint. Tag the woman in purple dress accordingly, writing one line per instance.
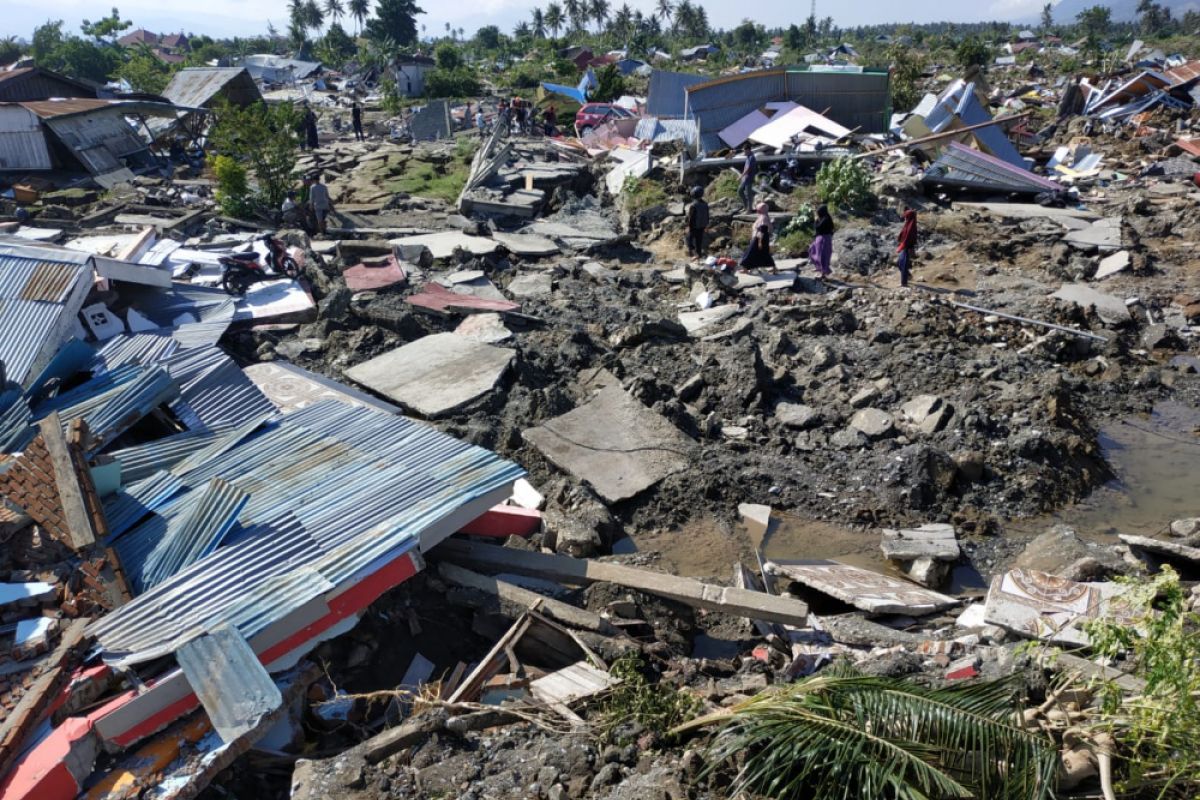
(820, 252)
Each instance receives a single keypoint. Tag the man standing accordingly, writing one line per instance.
(479, 122)
(746, 181)
(697, 221)
(310, 129)
(322, 206)
(356, 120)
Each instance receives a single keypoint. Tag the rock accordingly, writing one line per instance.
(1189, 526)
(821, 358)
(928, 412)
(970, 465)
(1060, 551)
(929, 572)
(873, 423)
(417, 254)
(848, 439)
(690, 389)
(578, 533)
(795, 415)
(531, 285)
(864, 397)
(607, 776)
(1161, 337)
(1111, 265)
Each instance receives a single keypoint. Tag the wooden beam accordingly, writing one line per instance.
(554, 609)
(76, 513)
(581, 572)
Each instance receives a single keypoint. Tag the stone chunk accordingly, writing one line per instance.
(1111, 265)
(873, 423)
(795, 415)
(531, 285)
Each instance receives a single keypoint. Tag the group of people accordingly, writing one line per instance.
(310, 208)
(820, 252)
(520, 116)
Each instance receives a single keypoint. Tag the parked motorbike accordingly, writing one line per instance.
(240, 270)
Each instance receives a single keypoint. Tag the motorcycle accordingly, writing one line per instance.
(240, 270)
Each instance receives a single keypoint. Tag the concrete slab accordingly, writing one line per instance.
(864, 589)
(1110, 308)
(1104, 234)
(531, 285)
(695, 322)
(443, 245)
(435, 375)
(487, 328)
(932, 540)
(1030, 211)
(1163, 548)
(276, 301)
(480, 287)
(291, 387)
(374, 274)
(1041, 606)
(614, 443)
(527, 245)
(1111, 265)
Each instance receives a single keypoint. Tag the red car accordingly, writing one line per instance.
(593, 114)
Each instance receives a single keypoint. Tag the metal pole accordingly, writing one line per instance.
(1026, 320)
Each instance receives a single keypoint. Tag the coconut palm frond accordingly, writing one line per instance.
(850, 736)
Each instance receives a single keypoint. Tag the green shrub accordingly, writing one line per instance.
(640, 194)
(233, 189)
(459, 82)
(846, 183)
(656, 707)
(724, 186)
(797, 235)
(264, 137)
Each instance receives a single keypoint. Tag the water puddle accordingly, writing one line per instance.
(792, 537)
(1156, 461)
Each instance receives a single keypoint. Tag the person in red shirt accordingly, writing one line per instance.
(907, 245)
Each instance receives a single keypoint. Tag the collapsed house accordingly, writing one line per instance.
(34, 83)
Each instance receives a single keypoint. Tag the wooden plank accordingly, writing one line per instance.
(489, 665)
(554, 609)
(741, 602)
(70, 494)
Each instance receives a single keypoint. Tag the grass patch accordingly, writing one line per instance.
(724, 186)
(640, 194)
(441, 181)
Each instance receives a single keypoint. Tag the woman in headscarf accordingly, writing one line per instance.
(907, 245)
(758, 254)
(820, 252)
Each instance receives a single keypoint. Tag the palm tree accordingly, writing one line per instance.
(297, 19)
(359, 10)
(334, 10)
(665, 9)
(623, 21)
(701, 28)
(313, 16)
(844, 734)
(539, 24)
(577, 12)
(554, 18)
(599, 13)
(448, 35)
(521, 31)
(685, 14)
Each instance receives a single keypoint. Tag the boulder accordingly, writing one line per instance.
(873, 423)
(798, 416)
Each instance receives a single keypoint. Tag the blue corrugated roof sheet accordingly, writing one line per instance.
(39, 298)
(334, 489)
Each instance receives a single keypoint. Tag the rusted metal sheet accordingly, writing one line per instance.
(229, 680)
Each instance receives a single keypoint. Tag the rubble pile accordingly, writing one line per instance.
(499, 489)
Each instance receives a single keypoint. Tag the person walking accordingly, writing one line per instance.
(820, 252)
(310, 129)
(549, 118)
(356, 121)
(322, 206)
(479, 122)
(746, 179)
(696, 216)
(758, 253)
(907, 245)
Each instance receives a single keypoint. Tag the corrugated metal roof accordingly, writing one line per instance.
(16, 428)
(213, 389)
(142, 461)
(855, 100)
(229, 680)
(197, 86)
(22, 141)
(333, 489)
(133, 503)
(666, 96)
(962, 166)
(38, 299)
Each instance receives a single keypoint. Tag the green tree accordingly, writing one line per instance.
(447, 56)
(359, 10)
(394, 19)
(106, 29)
(335, 10)
(611, 85)
(80, 58)
(10, 50)
(1047, 17)
(554, 18)
(747, 35)
(145, 71)
(1095, 21)
(794, 38)
(522, 31)
(336, 46)
(971, 52)
(264, 138)
(47, 38)
(907, 65)
(538, 24)
(664, 10)
(598, 11)
(488, 37)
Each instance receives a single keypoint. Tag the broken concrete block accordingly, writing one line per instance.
(864, 397)
(525, 496)
(526, 244)
(1111, 309)
(870, 591)
(436, 374)
(873, 423)
(931, 540)
(795, 415)
(695, 322)
(1058, 550)
(613, 443)
(442, 245)
(531, 285)
(756, 517)
(929, 572)
(966, 667)
(1159, 547)
(1042, 606)
(487, 328)
(1189, 526)
(1111, 265)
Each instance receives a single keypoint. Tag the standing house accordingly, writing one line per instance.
(409, 73)
(34, 83)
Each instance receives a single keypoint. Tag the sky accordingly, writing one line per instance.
(225, 18)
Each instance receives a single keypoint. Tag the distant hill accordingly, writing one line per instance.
(1122, 10)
